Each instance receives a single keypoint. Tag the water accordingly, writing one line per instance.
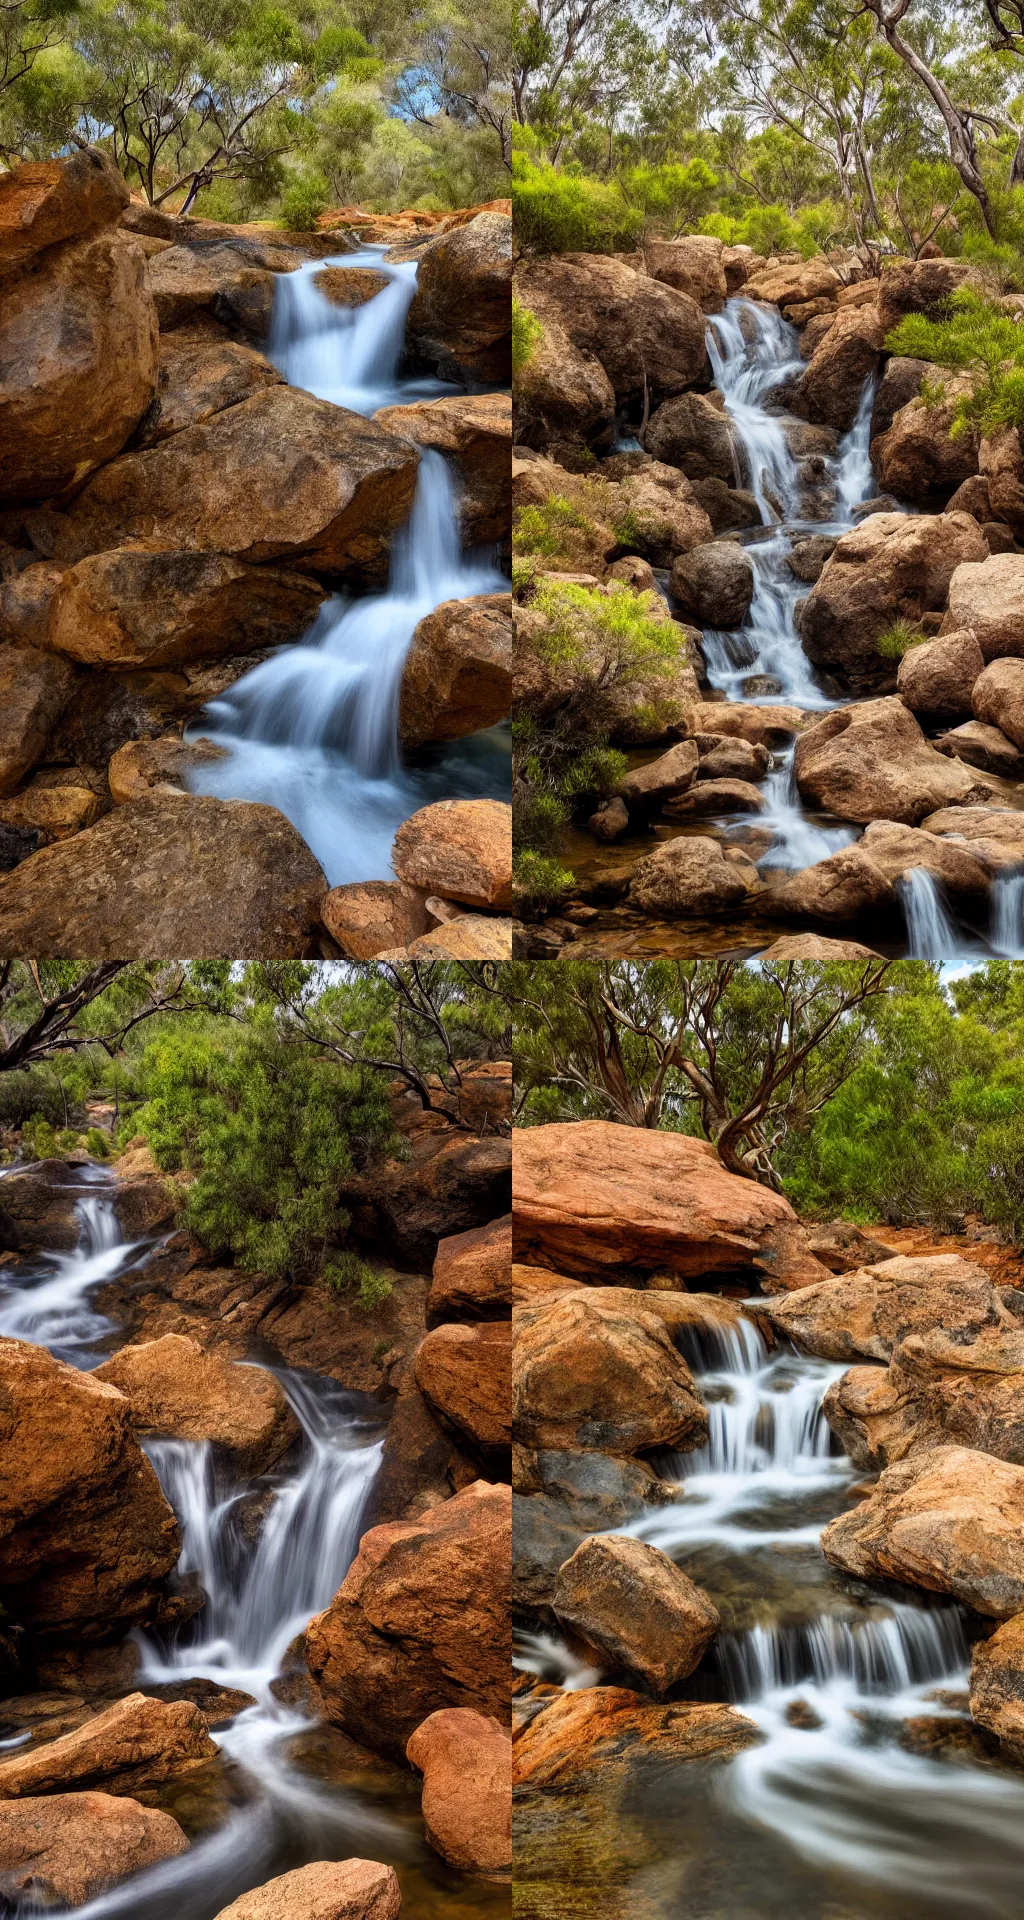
(314, 729)
(1007, 915)
(47, 1301)
(931, 932)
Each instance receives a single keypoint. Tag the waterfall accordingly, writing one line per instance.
(313, 730)
(931, 934)
(1007, 915)
(855, 480)
(47, 1303)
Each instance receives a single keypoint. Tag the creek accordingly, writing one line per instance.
(286, 1789)
(314, 729)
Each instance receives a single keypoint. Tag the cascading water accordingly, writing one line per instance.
(314, 730)
(46, 1301)
(931, 933)
(1007, 915)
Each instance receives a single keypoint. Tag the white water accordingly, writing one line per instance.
(48, 1303)
(931, 932)
(1007, 915)
(314, 730)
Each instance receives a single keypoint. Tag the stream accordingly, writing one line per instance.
(314, 729)
(292, 1790)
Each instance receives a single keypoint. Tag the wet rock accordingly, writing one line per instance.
(900, 382)
(727, 508)
(787, 282)
(714, 584)
(849, 354)
(44, 202)
(898, 850)
(937, 678)
(631, 323)
(987, 596)
(814, 946)
(89, 1539)
(461, 318)
(474, 433)
(421, 1622)
(807, 557)
(692, 875)
(66, 1848)
(325, 1890)
(372, 916)
(586, 1377)
(350, 286)
(466, 1762)
(998, 698)
(280, 476)
(951, 1520)
(176, 1391)
(564, 398)
(464, 1373)
(637, 1608)
(891, 566)
(843, 887)
(128, 609)
(997, 1686)
(595, 1491)
(872, 762)
(711, 796)
(34, 690)
(601, 1734)
(473, 1275)
(170, 874)
(916, 459)
(984, 747)
(78, 364)
(457, 676)
(692, 434)
(864, 1314)
(693, 265)
(763, 726)
(460, 849)
(656, 780)
(137, 1743)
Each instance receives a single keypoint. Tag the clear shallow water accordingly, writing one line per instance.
(314, 730)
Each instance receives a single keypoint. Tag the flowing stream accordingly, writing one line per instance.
(314, 729)
(289, 1790)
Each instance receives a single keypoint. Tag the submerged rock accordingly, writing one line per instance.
(137, 1743)
(638, 1609)
(599, 1735)
(67, 1848)
(466, 1762)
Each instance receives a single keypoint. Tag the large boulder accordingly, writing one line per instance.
(368, 917)
(871, 761)
(78, 362)
(691, 433)
(34, 691)
(189, 282)
(589, 1378)
(324, 1890)
(659, 515)
(951, 1520)
(900, 382)
(846, 886)
(199, 376)
(175, 873)
(998, 698)
(472, 1277)
(892, 566)
(919, 286)
(590, 1198)
(643, 333)
(176, 1391)
(830, 390)
(88, 1538)
(693, 875)
(637, 1608)
(129, 608)
(134, 1745)
(898, 850)
(564, 399)
(936, 1391)
(937, 678)
(464, 1373)
(281, 476)
(986, 594)
(457, 676)
(997, 1686)
(611, 1737)
(692, 264)
(64, 1849)
(460, 849)
(420, 1622)
(916, 459)
(474, 433)
(44, 202)
(789, 283)
(657, 780)
(461, 318)
(864, 1314)
(466, 1763)
(1001, 461)
(714, 584)
(985, 747)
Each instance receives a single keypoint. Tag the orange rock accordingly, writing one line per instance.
(137, 1743)
(66, 1848)
(473, 1275)
(474, 433)
(461, 317)
(457, 677)
(465, 1373)
(586, 1377)
(862, 1315)
(127, 609)
(466, 1763)
(176, 1391)
(369, 917)
(326, 1890)
(636, 1607)
(604, 1731)
(45, 201)
(460, 849)
(349, 286)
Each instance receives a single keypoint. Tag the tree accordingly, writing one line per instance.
(958, 119)
(27, 29)
(463, 71)
(53, 1007)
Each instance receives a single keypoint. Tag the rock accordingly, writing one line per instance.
(997, 1685)
(813, 946)
(785, 283)
(872, 762)
(936, 1391)
(157, 766)
(325, 1890)
(176, 1391)
(938, 677)
(660, 516)
(78, 363)
(691, 875)
(693, 265)
(844, 1248)
(610, 820)
(869, 1418)
(421, 1622)
(88, 1538)
(137, 1743)
(457, 677)
(986, 594)
(452, 1182)
(564, 398)
(738, 264)
(950, 1520)
(1002, 462)
(198, 377)
(972, 497)
(128, 609)
(461, 849)
(589, 1378)
(722, 758)
(461, 318)
(714, 797)
(916, 459)
(350, 286)
(671, 772)
(849, 354)
(900, 382)
(280, 476)
(898, 850)
(601, 1734)
(634, 572)
(51, 813)
(630, 1602)
(466, 1763)
(373, 916)
(474, 433)
(25, 602)
(919, 286)
(807, 557)
(998, 698)
(186, 282)
(66, 1848)
(171, 874)
(714, 584)
(689, 433)
(864, 1314)
(596, 1490)
(624, 319)
(464, 1373)
(763, 726)
(43, 202)
(984, 747)
(727, 508)
(470, 936)
(473, 1275)
(891, 566)
(843, 887)
(34, 690)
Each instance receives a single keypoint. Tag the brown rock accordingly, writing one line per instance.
(630, 1602)
(473, 1275)
(466, 1763)
(740, 263)
(659, 515)
(690, 433)
(1002, 463)
(178, 1392)
(814, 946)
(563, 397)
(137, 1743)
(350, 286)
(325, 1890)
(603, 1732)
(916, 459)
(986, 594)
(919, 286)
(891, 566)
(52, 812)
(848, 355)
(808, 557)
(67, 1848)
(998, 698)
(77, 363)
(864, 1314)
(897, 850)
(170, 874)
(997, 1685)
(471, 936)
(900, 382)
(130, 609)
(938, 677)
(457, 677)
(648, 785)
(371, 916)
(693, 265)
(421, 1622)
(844, 887)
(691, 875)
(474, 433)
(157, 766)
(764, 726)
(589, 1378)
(34, 690)
(25, 602)
(465, 1374)
(872, 762)
(624, 319)
(421, 1464)
(870, 1419)
(88, 1538)
(785, 282)
(714, 584)
(722, 758)
(461, 318)
(218, 281)
(460, 849)
(713, 797)
(43, 202)
(984, 747)
(198, 377)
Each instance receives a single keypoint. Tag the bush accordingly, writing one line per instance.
(347, 1273)
(539, 882)
(97, 1144)
(973, 337)
(566, 213)
(526, 331)
(898, 640)
(303, 201)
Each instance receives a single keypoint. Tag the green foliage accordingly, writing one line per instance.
(540, 883)
(567, 213)
(898, 639)
(305, 198)
(673, 196)
(97, 1143)
(526, 331)
(346, 1273)
(973, 337)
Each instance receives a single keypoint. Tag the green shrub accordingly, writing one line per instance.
(97, 1144)
(539, 882)
(39, 1138)
(567, 213)
(974, 337)
(543, 529)
(526, 331)
(898, 640)
(303, 201)
(346, 1273)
